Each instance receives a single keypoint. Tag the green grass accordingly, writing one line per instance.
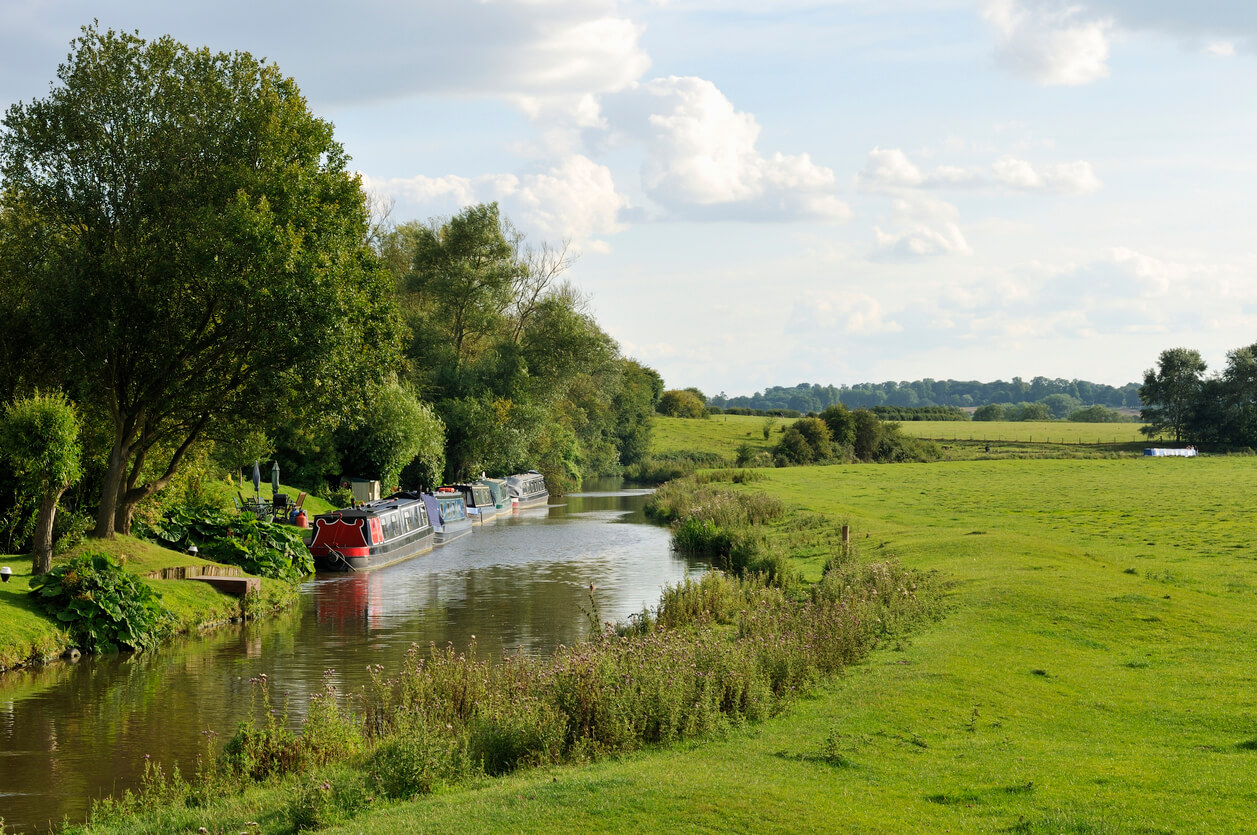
(1094, 674)
(723, 434)
(720, 434)
(1047, 431)
(27, 633)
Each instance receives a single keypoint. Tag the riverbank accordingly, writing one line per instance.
(1093, 674)
(30, 636)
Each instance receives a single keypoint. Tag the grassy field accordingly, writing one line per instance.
(1093, 674)
(962, 440)
(721, 434)
(1048, 431)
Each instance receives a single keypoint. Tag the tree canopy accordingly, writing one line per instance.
(1170, 392)
(185, 247)
(39, 436)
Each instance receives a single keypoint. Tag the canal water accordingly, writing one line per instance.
(526, 583)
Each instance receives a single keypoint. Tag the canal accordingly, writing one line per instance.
(527, 583)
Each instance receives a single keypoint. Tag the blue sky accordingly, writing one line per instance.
(770, 193)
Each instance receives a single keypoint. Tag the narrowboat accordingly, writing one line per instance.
(448, 514)
(479, 501)
(372, 535)
(527, 489)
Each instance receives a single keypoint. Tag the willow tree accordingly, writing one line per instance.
(193, 253)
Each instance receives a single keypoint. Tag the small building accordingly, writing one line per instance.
(363, 489)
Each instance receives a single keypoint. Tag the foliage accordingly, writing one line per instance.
(989, 412)
(921, 412)
(397, 432)
(681, 403)
(171, 207)
(1098, 414)
(1170, 390)
(39, 437)
(104, 606)
(635, 405)
(510, 358)
(266, 549)
(813, 397)
(806, 441)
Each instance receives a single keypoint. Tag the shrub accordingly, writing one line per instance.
(991, 411)
(1097, 414)
(327, 799)
(267, 549)
(682, 404)
(104, 606)
(259, 751)
(420, 756)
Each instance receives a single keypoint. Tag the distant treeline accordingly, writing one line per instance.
(812, 397)
(919, 413)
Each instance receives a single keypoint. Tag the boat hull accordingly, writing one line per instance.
(450, 531)
(336, 560)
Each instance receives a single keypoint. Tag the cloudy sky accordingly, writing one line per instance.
(774, 191)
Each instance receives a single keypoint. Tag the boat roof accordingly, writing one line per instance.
(392, 502)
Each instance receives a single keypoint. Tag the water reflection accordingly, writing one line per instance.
(73, 732)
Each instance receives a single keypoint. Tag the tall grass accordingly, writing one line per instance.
(717, 652)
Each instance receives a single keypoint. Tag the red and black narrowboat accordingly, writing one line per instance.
(372, 535)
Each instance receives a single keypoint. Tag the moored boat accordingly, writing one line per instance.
(448, 514)
(372, 535)
(478, 498)
(528, 489)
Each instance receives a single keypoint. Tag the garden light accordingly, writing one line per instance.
(4, 574)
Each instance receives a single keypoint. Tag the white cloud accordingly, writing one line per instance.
(843, 311)
(891, 170)
(1223, 49)
(702, 159)
(889, 167)
(1049, 44)
(1065, 178)
(574, 200)
(384, 50)
(925, 226)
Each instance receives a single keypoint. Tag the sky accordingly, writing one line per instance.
(782, 191)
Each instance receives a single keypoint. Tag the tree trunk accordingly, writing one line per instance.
(105, 511)
(41, 562)
(130, 494)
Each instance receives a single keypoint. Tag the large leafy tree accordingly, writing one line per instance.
(188, 250)
(1170, 392)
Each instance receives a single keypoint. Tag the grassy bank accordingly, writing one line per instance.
(1093, 675)
(29, 635)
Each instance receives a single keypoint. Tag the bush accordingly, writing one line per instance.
(267, 549)
(104, 606)
(419, 757)
(682, 404)
(989, 412)
(1098, 414)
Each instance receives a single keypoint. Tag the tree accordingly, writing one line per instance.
(397, 429)
(841, 424)
(867, 434)
(194, 250)
(681, 403)
(818, 436)
(1096, 414)
(990, 411)
(463, 272)
(40, 437)
(1169, 392)
(634, 406)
